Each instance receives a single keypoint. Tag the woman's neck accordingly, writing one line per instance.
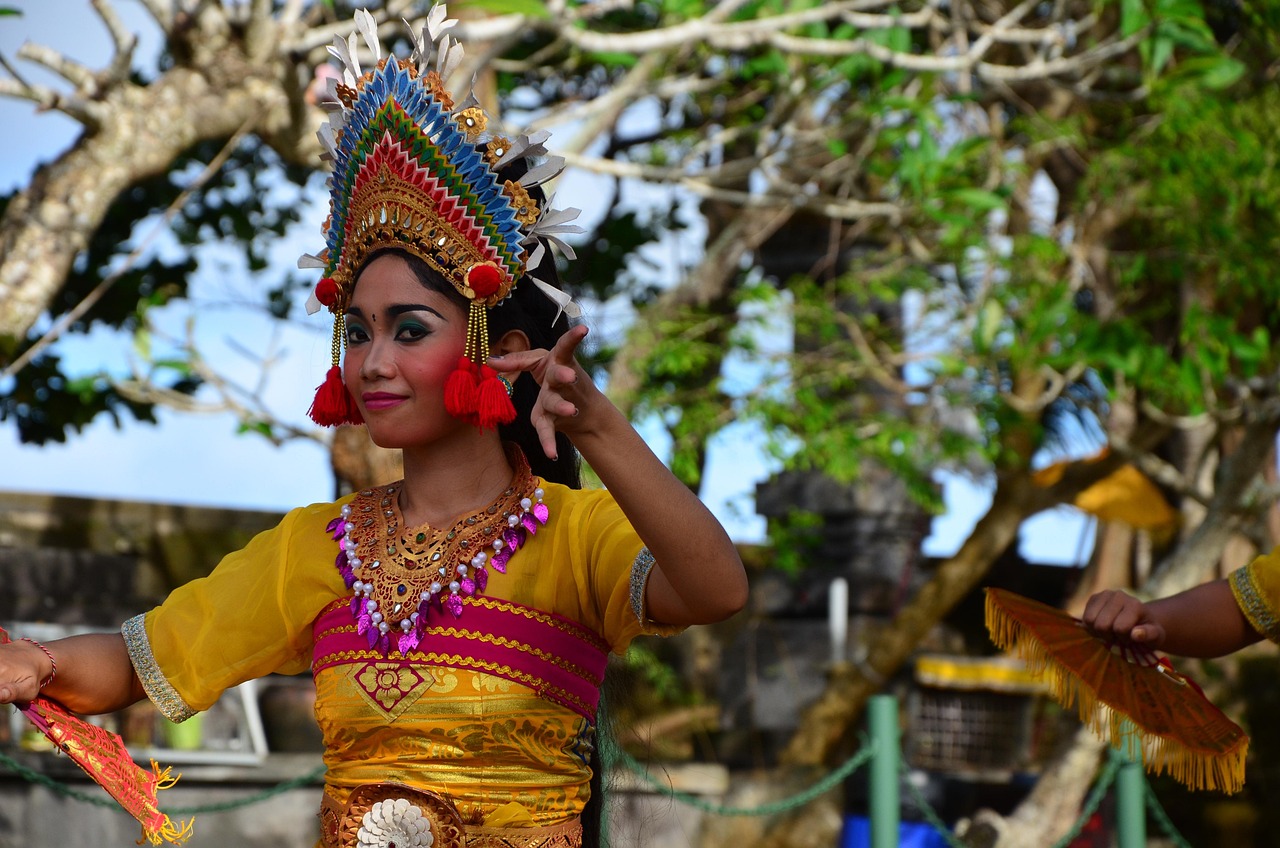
(447, 479)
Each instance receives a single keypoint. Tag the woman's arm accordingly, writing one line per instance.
(698, 577)
(94, 673)
(1204, 621)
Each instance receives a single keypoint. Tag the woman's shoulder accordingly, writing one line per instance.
(576, 499)
(314, 517)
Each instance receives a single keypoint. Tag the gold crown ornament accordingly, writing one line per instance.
(414, 169)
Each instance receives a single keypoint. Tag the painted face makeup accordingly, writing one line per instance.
(403, 341)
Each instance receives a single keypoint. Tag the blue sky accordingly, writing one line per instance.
(199, 460)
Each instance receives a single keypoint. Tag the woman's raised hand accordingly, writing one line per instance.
(566, 391)
(1115, 614)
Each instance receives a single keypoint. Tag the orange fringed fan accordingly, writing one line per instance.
(1182, 732)
(104, 758)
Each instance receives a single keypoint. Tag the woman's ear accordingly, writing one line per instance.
(512, 341)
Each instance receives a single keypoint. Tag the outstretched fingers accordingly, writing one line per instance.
(558, 374)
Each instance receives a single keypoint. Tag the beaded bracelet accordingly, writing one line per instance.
(52, 661)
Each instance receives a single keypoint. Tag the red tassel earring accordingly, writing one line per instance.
(474, 393)
(333, 404)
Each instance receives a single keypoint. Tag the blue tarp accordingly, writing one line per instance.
(857, 834)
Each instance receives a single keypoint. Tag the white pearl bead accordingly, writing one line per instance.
(512, 520)
(435, 588)
(370, 606)
(525, 504)
(349, 527)
(426, 595)
(538, 493)
(405, 624)
(454, 587)
(376, 617)
(462, 569)
(346, 510)
(497, 544)
(478, 559)
(383, 627)
(356, 562)
(357, 586)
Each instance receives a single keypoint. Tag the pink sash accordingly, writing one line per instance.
(558, 658)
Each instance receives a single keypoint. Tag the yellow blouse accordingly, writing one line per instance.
(1256, 587)
(504, 754)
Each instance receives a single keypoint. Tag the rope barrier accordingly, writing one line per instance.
(616, 755)
(32, 776)
(800, 799)
(1162, 818)
(1095, 797)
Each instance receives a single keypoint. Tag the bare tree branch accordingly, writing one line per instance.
(73, 72)
(87, 302)
(162, 12)
(122, 40)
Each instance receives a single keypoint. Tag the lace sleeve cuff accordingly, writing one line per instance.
(159, 690)
(1254, 601)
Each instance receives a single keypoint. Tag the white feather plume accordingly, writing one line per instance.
(369, 29)
(438, 21)
(539, 174)
(449, 56)
(564, 303)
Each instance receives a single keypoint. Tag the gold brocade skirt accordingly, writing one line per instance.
(393, 815)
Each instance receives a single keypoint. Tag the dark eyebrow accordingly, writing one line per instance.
(399, 309)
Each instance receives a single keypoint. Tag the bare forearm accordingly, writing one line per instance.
(94, 674)
(1204, 621)
(699, 576)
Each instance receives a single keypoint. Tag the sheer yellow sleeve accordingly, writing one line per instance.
(1256, 587)
(610, 566)
(250, 617)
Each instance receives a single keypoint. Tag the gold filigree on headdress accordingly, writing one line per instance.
(410, 170)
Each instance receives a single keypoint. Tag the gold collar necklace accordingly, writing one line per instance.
(399, 578)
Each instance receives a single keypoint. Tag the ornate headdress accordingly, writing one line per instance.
(413, 170)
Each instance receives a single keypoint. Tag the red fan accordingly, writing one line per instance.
(1118, 687)
(104, 758)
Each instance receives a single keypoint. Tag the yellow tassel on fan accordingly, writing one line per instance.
(168, 832)
(1200, 748)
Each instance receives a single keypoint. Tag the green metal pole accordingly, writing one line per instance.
(1131, 788)
(882, 720)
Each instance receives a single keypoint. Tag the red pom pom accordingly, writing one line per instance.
(484, 278)
(327, 291)
(333, 404)
(493, 407)
(460, 391)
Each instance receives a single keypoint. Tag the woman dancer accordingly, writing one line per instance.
(457, 622)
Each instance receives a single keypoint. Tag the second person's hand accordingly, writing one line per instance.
(1118, 615)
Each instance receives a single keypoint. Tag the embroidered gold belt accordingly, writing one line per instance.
(560, 659)
(393, 815)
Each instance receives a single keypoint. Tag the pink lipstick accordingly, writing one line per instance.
(381, 400)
